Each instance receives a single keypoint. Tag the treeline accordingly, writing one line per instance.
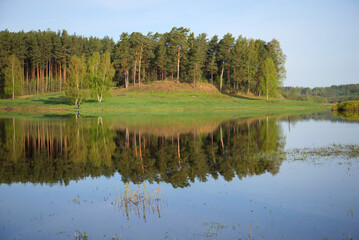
(334, 93)
(39, 61)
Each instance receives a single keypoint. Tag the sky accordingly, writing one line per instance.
(319, 37)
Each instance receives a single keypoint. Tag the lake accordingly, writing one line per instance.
(274, 177)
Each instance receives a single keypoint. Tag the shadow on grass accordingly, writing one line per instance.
(91, 101)
(240, 97)
(54, 100)
(57, 116)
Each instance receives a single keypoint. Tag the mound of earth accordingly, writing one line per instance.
(169, 87)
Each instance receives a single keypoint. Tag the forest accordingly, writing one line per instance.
(335, 93)
(39, 62)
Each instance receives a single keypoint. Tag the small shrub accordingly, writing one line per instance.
(349, 106)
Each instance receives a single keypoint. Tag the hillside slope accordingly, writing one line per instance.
(156, 97)
(169, 87)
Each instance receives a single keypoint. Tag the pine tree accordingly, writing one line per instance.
(66, 45)
(122, 57)
(58, 54)
(251, 63)
(178, 38)
(160, 57)
(238, 56)
(224, 54)
(197, 55)
(211, 62)
(262, 54)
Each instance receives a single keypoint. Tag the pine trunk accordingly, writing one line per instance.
(249, 82)
(139, 70)
(42, 80)
(221, 79)
(38, 79)
(56, 76)
(134, 73)
(194, 75)
(211, 75)
(178, 62)
(27, 79)
(60, 78)
(46, 75)
(13, 81)
(65, 73)
(126, 78)
(228, 77)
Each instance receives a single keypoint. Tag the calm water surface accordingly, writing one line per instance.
(223, 180)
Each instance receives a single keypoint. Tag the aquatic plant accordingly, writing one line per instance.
(139, 201)
(76, 199)
(344, 150)
(80, 236)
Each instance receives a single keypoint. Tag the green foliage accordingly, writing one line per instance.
(240, 75)
(45, 59)
(197, 56)
(279, 58)
(252, 62)
(211, 61)
(269, 80)
(13, 73)
(332, 94)
(224, 54)
(77, 84)
(178, 41)
(106, 72)
(350, 106)
(316, 99)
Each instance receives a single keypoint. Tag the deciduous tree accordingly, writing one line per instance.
(13, 73)
(269, 79)
(77, 81)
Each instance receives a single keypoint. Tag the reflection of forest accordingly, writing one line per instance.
(52, 151)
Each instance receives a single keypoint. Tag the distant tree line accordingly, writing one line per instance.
(334, 93)
(46, 61)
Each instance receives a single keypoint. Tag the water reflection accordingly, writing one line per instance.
(57, 151)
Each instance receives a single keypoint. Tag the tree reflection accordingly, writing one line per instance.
(57, 151)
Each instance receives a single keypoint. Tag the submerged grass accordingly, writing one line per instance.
(348, 151)
(335, 150)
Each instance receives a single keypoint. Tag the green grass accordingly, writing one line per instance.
(136, 100)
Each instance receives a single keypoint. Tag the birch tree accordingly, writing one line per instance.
(13, 73)
(75, 88)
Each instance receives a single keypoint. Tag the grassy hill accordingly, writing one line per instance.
(156, 97)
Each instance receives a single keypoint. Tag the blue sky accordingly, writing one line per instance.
(319, 37)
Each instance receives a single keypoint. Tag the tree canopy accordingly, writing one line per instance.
(232, 64)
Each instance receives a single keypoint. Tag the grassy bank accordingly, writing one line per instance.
(158, 97)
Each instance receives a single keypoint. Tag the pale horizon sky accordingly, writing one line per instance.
(319, 37)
